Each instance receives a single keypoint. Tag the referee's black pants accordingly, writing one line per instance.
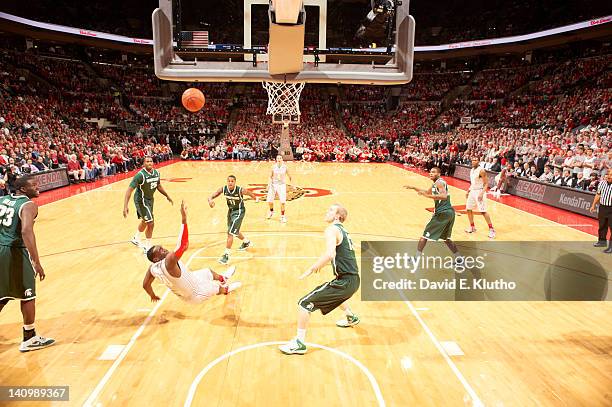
(605, 222)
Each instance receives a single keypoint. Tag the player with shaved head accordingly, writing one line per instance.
(333, 294)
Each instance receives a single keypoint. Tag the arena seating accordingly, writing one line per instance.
(550, 108)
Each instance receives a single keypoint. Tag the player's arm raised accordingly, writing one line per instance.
(442, 192)
(419, 190)
(28, 214)
(211, 203)
(147, 285)
(182, 245)
(162, 191)
(331, 240)
(251, 194)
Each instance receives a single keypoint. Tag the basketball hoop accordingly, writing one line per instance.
(283, 98)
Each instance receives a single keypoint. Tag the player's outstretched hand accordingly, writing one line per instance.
(154, 298)
(211, 203)
(183, 208)
(308, 272)
(409, 187)
(126, 210)
(170, 200)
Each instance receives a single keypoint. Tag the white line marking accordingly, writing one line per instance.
(98, 389)
(143, 310)
(422, 309)
(557, 225)
(111, 352)
(200, 376)
(263, 257)
(452, 348)
(475, 399)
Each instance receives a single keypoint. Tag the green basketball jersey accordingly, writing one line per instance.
(441, 204)
(145, 183)
(10, 222)
(345, 261)
(235, 200)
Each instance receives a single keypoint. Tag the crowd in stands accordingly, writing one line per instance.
(433, 86)
(209, 120)
(38, 134)
(565, 159)
(368, 121)
(540, 121)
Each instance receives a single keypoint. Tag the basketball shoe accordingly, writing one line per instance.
(350, 320)
(224, 259)
(245, 245)
(293, 347)
(229, 272)
(136, 241)
(36, 342)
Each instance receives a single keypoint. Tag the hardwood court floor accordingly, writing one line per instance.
(519, 354)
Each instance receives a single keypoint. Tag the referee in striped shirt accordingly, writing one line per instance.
(604, 199)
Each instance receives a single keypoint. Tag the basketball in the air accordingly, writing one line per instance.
(193, 99)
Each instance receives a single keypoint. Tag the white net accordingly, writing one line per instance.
(283, 98)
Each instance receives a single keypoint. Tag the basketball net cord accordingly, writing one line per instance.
(283, 98)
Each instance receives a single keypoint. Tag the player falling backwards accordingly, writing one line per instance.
(145, 183)
(19, 261)
(194, 287)
(440, 227)
(477, 197)
(331, 295)
(235, 214)
(278, 186)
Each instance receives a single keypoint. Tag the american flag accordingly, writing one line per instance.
(194, 39)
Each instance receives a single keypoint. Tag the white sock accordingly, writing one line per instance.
(301, 334)
(246, 240)
(227, 251)
(138, 235)
(348, 312)
(148, 243)
(28, 327)
(419, 254)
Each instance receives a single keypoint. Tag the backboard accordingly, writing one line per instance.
(228, 42)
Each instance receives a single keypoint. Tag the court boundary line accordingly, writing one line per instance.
(109, 373)
(476, 402)
(196, 381)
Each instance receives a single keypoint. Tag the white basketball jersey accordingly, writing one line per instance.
(279, 174)
(185, 286)
(475, 179)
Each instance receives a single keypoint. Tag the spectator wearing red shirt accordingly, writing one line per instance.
(75, 170)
